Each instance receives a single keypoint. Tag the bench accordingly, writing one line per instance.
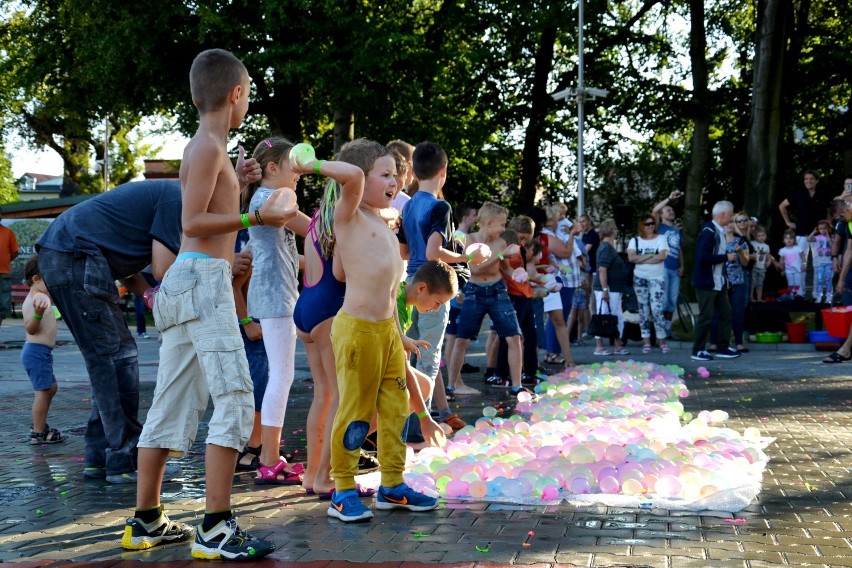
(19, 294)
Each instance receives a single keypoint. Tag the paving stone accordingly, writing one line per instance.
(813, 432)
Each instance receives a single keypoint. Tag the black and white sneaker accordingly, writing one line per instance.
(701, 356)
(728, 353)
(530, 380)
(139, 535)
(227, 541)
(497, 381)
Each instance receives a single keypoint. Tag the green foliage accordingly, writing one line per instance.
(27, 232)
(473, 75)
(8, 190)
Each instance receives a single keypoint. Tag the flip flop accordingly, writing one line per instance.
(361, 493)
(836, 358)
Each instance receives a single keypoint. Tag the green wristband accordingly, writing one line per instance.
(245, 220)
(470, 257)
(422, 415)
(317, 166)
(245, 320)
(37, 316)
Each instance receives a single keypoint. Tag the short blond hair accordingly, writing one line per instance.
(522, 224)
(491, 210)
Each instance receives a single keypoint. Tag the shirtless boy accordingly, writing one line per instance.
(486, 293)
(202, 353)
(369, 346)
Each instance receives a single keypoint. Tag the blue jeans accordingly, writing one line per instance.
(82, 287)
(671, 290)
(258, 367)
(492, 299)
(429, 326)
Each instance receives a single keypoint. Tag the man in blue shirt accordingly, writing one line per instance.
(673, 264)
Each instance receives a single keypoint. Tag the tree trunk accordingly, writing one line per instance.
(344, 128)
(539, 106)
(700, 131)
(765, 132)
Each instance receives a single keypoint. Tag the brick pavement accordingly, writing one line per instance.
(803, 516)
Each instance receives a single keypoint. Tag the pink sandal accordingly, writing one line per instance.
(277, 475)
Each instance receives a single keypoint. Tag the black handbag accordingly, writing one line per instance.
(603, 325)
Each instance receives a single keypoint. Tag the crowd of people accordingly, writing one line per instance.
(391, 281)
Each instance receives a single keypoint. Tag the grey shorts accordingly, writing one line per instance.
(202, 356)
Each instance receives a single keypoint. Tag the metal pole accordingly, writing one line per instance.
(581, 99)
(106, 153)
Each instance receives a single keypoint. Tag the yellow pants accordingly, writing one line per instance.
(370, 363)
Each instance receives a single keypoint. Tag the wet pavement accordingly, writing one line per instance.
(803, 516)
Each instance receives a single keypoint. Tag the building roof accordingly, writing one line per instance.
(41, 177)
(42, 208)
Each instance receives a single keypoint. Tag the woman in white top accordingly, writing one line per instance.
(647, 251)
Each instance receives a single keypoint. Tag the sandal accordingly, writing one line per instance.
(621, 351)
(554, 359)
(836, 358)
(646, 349)
(362, 492)
(277, 475)
(47, 436)
(255, 460)
(602, 352)
(665, 349)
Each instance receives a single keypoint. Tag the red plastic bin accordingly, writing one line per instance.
(797, 332)
(837, 320)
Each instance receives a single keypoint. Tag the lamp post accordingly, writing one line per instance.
(106, 153)
(581, 94)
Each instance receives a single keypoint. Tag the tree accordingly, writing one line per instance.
(8, 190)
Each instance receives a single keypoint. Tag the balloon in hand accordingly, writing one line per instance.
(302, 154)
(288, 197)
(484, 249)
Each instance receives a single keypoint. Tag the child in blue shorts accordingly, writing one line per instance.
(486, 293)
(580, 311)
(37, 355)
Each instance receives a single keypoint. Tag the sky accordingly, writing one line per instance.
(48, 162)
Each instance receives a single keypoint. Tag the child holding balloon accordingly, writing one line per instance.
(272, 294)
(486, 293)
(368, 343)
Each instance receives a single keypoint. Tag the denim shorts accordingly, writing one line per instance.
(453, 322)
(492, 299)
(37, 360)
(202, 356)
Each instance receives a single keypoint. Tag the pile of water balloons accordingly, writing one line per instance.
(611, 429)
